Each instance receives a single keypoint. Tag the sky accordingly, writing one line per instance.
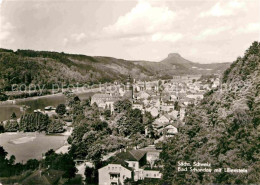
(203, 31)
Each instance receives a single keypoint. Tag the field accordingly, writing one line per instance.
(27, 146)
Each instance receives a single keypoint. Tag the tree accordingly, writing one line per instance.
(55, 126)
(148, 118)
(3, 153)
(91, 175)
(122, 105)
(131, 123)
(66, 163)
(107, 114)
(13, 116)
(130, 181)
(2, 129)
(95, 154)
(12, 160)
(61, 109)
(12, 126)
(71, 99)
(8, 167)
(50, 152)
(160, 86)
(32, 164)
(76, 99)
(3, 97)
(99, 125)
(63, 162)
(34, 122)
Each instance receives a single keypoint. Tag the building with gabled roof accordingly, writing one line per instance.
(171, 130)
(113, 174)
(153, 110)
(142, 95)
(129, 164)
(104, 100)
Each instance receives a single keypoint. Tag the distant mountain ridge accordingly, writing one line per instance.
(44, 67)
(176, 58)
(175, 64)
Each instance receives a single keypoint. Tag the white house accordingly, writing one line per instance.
(152, 154)
(137, 106)
(155, 174)
(143, 95)
(161, 122)
(154, 111)
(104, 100)
(195, 96)
(171, 130)
(174, 113)
(100, 98)
(215, 83)
(163, 119)
(167, 108)
(113, 174)
(146, 102)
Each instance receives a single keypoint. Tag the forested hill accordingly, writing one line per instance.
(43, 67)
(222, 130)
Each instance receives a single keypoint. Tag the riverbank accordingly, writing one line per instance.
(77, 91)
(38, 102)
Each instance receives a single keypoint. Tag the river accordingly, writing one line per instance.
(36, 103)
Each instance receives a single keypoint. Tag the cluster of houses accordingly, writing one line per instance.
(136, 164)
(166, 100)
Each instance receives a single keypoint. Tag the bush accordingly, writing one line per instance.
(61, 109)
(55, 126)
(2, 129)
(3, 97)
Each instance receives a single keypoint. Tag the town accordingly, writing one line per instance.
(124, 125)
(136, 92)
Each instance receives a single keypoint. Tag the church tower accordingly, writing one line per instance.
(129, 89)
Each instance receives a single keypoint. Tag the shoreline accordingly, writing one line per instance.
(19, 100)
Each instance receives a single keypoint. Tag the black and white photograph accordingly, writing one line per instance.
(129, 92)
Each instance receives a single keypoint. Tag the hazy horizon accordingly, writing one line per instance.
(200, 31)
